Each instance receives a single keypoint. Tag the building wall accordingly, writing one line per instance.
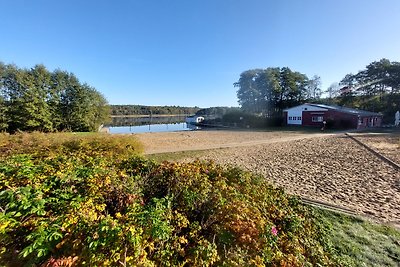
(370, 121)
(294, 116)
(342, 120)
(307, 118)
(304, 116)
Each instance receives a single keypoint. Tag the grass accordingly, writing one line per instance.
(359, 242)
(176, 156)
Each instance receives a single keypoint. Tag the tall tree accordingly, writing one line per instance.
(314, 88)
(26, 92)
(375, 88)
(40, 91)
(269, 91)
(38, 100)
(83, 108)
(60, 80)
(248, 93)
(3, 106)
(332, 91)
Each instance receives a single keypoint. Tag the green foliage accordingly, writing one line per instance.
(80, 200)
(376, 88)
(243, 119)
(3, 114)
(39, 100)
(269, 91)
(216, 112)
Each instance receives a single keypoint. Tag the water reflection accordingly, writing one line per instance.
(151, 128)
(136, 121)
(149, 124)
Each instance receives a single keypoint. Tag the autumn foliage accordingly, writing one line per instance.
(94, 206)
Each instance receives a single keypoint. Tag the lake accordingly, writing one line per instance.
(123, 125)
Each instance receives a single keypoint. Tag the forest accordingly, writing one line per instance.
(126, 110)
(39, 100)
(267, 92)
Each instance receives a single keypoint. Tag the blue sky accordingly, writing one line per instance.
(190, 52)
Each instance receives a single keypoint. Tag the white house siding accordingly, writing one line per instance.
(295, 114)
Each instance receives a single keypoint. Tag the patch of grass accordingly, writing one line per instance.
(360, 243)
(176, 156)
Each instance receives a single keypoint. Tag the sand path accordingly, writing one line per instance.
(215, 139)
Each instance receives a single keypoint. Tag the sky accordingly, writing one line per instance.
(190, 52)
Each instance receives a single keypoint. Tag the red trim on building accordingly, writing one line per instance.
(338, 119)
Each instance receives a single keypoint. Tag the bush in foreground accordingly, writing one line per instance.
(44, 145)
(72, 208)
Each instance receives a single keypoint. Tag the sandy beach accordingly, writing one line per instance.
(327, 167)
(215, 139)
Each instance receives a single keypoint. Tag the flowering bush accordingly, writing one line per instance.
(68, 209)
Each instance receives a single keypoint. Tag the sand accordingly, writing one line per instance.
(213, 139)
(326, 167)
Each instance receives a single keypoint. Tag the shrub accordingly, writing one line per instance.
(243, 119)
(70, 207)
(40, 144)
(276, 121)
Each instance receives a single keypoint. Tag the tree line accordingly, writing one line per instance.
(375, 88)
(126, 110)
(216, 112)
(268, 91)
(39, 100)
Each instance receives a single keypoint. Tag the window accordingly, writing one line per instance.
(290, 118)
(317, 118)
(294, 118)
(299, 118)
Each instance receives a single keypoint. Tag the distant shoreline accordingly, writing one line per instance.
(153, 115)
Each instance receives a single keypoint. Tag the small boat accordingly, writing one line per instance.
(194, 119)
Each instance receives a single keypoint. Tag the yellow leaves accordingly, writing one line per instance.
(71, 219)
(109, 202)
(257, 261)
(107, 180)
(182, 240)
(180, 220)
(100, 207)
(4, 225)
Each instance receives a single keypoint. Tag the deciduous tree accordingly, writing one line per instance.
(269, 91)
(38, 100)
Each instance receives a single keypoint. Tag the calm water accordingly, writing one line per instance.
(149, 125)
(152, 128)
(138, 121)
